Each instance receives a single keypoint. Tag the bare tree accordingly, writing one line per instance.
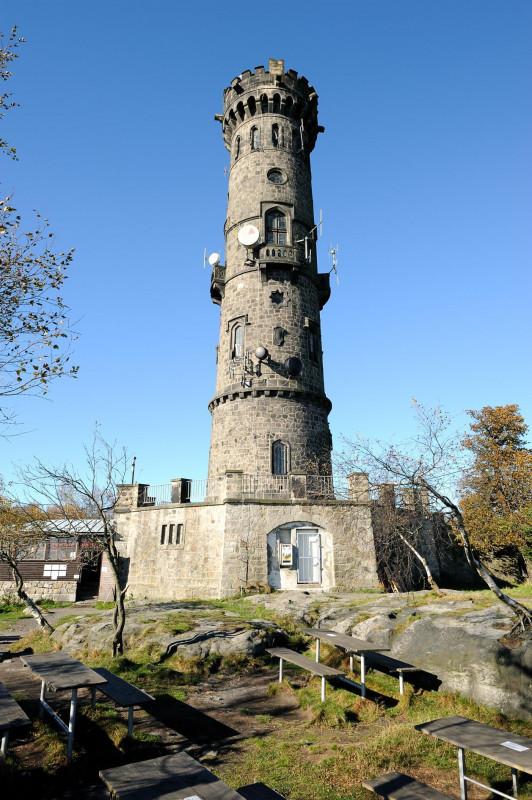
(20, 536)
(92, 491)
(400, 523)
(431, 463)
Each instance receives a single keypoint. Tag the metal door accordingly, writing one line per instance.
(309, 557)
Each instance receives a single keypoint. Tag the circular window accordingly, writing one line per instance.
(276, 176)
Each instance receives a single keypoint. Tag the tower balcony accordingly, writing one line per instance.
(217, 284)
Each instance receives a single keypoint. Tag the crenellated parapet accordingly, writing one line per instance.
(274, 92)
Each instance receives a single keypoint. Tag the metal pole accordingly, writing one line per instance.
(351, 662)
(280, 670)
(3, 748)
(133, 464)
(401, 683)
(515, 776)
(42, 699)
(461, 773)
(363, 673)
(323, 689)
(317, 650)
(72, 723)
(130, 721)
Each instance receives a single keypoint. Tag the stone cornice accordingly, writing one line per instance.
(239, 393)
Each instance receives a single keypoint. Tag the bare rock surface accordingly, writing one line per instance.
(455, 636)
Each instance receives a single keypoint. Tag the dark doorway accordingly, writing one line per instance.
(89, 581)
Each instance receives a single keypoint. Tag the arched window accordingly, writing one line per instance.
(264, 103)
(240, 110)
(237, 147)
(255, 138)
(237, 341)
(252, 105)
(275, 135)
(279, 458)
(275, 227)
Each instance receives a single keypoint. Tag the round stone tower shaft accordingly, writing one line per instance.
(269, 412)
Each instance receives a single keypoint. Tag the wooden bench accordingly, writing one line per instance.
(123, 693)
(11, 716)
(389, 664)
(285, 654)
(397, 786)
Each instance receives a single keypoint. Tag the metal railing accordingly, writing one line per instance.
(246, 486)
(266, 487)
(156, 495)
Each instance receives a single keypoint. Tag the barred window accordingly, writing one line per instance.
(275, 227)
(237, 342)
(279, 458)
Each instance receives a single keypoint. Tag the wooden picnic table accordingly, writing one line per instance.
(350, 644)
(173, 777)
(57, 672)
(11, 716)
(466, 734)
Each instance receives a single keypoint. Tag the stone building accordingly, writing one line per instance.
(267, 513)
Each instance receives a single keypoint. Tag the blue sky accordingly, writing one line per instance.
(424, 175)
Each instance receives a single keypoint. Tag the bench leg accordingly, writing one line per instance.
(461, 773)
(3, 747)
(363, 673)
(515, 775)
(317, 650)
(72, 723)
(130, 721)
(323, 689)
(401, 683)
(280, 670)
(42, 699)
(351, 663)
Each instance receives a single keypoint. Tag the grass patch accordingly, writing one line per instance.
(104, 605)
(39, 641)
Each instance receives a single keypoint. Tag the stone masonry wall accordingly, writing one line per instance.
(45, 590)
(220, 539)
(162, 571)
(243, 431)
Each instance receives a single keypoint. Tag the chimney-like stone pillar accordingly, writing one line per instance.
(130, 496)
(358, 487)
(234, 479)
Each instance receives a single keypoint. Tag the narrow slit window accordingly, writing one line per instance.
(275, 227)
(255, 138)
(279, 458)
(163, 534)
(237, 345)
(179, 534)
(237, 147)
(275, 135)
(170, 534)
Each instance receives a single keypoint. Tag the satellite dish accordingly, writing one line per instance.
(248, 235)
(214, 259)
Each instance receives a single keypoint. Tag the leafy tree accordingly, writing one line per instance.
(428, 465)
(496, 499)
(35, 335)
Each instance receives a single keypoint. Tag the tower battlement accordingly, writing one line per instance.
(273, 91)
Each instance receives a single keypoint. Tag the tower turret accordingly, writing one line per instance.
(269, 412)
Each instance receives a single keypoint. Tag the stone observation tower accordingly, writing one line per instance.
(267, 515)
(269, 411)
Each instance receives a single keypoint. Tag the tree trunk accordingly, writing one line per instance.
(34, 610)
(523, 614)
(430, 580)
(119, 593)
